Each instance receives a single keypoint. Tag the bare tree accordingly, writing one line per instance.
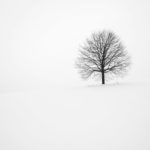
(102, 54)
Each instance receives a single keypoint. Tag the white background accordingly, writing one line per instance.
(43, 102)
(40, 39)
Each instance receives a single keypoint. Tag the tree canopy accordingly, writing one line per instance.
(102, 54)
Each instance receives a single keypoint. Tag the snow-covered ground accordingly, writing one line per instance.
(89, 117)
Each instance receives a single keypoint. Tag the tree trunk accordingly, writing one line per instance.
(103, 77)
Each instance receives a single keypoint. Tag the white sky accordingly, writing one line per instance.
(40, 38)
